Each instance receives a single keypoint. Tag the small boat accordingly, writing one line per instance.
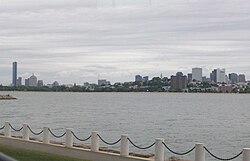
(7, 97)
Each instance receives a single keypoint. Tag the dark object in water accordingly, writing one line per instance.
(7, 97)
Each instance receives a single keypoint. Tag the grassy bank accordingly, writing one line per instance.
(28, 155)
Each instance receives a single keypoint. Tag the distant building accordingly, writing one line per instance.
(178, 82)
(242, 78)
(55, 84)
(218, 76)
(138, 78)
(190, 77)
(221, 76)
(33, 81)
(213, 77)
(86, 84)
(204, 79)
(27, 82)
(102, 82)
(225, 89)
(19, 82)
(145, 78)
(40, 83)
(234, 78)
(197, 74)
(179, 74)
(14, 74)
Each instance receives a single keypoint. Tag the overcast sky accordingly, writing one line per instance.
(75, 40)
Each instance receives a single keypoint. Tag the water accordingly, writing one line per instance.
(221, 121)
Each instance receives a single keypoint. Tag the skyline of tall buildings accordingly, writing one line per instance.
(217, 75)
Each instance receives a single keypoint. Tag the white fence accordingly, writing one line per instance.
(93, 153)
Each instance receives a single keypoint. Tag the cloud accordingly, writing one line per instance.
(75, 40)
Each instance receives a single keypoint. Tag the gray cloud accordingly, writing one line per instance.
(73, 41)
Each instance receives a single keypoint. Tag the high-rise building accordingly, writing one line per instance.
(33, 81)
(221, 76)
(218, 75)
(178, 82)
(27, 82)
(234, 78)
(138, 78)
(19, 82)
(145, 78)
(190, 77)
(179, 74)
(242, 78)
(40, 83)
(213, 77)
(14, 74)
(197, 74)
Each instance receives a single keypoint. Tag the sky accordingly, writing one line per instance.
(76, 41)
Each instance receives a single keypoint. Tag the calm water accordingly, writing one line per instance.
(221, 121)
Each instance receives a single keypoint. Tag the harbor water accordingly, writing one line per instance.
(221, 121)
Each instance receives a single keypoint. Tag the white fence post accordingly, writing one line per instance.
(159, 149)
(46, 135)
(26, 135)
(246, 154)
(7, 132)
(69, 138)
(199, 152)
(94, 141)
(124, 146)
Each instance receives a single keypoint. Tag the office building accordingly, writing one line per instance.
(40, 83)
(138, 78)
(19, 82)
(179, 74)
(213, 77)
(221, 76)
(197, 74)
(233, 78)
(102, 82)
(242, 78)
(178, 82)
(31, 81)
(56, 84)
(204, 79)
(26, 82)
(218, 76)
(14, 74)
(225, 89)
(145, 79)
(190, 77)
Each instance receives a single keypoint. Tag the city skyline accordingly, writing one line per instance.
(74, 41)
(217, 75)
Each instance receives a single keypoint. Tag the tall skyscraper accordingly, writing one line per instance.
(234, 78)
(213, 77)
(242, 78)
(218, 75)
(197, 74)
(32, 81)
(221, 76)
(14, 74)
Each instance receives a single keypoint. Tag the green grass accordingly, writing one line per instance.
(29, 155)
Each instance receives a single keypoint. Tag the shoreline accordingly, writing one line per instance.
(123, 92)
